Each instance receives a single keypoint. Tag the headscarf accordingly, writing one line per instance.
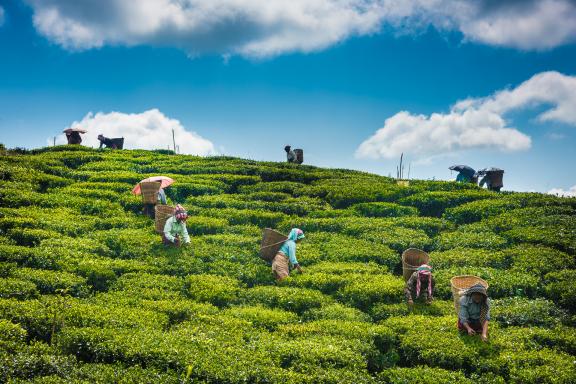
(180, 213)
(424, 270)
(296, 234)
(479, 288)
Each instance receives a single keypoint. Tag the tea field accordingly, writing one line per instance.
(88, 294)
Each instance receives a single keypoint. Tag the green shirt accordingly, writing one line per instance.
(173, 227)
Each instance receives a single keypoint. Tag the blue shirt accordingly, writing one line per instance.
(162, 196)
(289, 249)
(470, 310)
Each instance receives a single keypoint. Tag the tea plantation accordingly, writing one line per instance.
(88, 294)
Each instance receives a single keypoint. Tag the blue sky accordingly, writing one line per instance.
(246, 88)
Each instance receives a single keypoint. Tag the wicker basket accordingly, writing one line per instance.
(460, 285)
(271, 243)
(149, 190)
(403, 183)
(163, 212)
(412, 258)
(496, 178)
(299, 156)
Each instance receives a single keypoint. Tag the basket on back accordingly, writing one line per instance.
(299, 156)
(149, 191)
(271, 243)
(163, 212)
(496, 178)
(412, 258)
(118, 143)
(460, 285)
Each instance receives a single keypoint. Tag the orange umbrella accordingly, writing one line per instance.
(164, 180)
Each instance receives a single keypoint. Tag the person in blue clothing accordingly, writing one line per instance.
(474, 313)
(287, 255)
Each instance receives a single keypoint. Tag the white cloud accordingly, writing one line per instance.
(147, 130)
(571, 192)
(247, 27)
(475, 123)
(260, 28)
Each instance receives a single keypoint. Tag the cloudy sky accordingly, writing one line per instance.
(355, 83)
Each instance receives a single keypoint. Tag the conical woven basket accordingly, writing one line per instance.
(299, 156)
(460, 285)
(163, 212)
(412, 258)
(271, 243)
(149, 191)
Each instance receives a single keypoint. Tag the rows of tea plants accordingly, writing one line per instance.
(88, 294)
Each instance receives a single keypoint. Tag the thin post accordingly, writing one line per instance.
(409, 166)
(54, 140)
(173, 140)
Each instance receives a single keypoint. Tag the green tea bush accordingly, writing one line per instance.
(422, 375)
(472, 257)
(560, 287)
(538, 260)
(30, 237)
(17, 288)
(469, 239)
(260, 218)
(218, 290)
(432, 226)
(127, 243)
(384, 210)
(149, 286)
(36, 360)
(289, 187)
(432, 341)
(262, 317)
(502, 283)
(520, 311)
(11, 336)
(322, 246)
(536, 366)
(383, 311)
(434, 203)
(203, 225)
(296, 300)
(89, 294)
(369, 290)
(336, 311)
(54, 281)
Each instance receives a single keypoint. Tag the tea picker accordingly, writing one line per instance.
(73, 135)
(290, 155)
(418, 276)
(295, 156)
(117, 143)
(472, 305)
(175, 231)
(281, 251)
(466, 174)
(492, 177)
(152, 191)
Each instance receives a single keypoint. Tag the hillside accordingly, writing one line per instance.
(89, 294)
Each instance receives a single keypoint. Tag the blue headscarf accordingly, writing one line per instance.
(296, 234)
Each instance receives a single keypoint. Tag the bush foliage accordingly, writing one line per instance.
(88, 293)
